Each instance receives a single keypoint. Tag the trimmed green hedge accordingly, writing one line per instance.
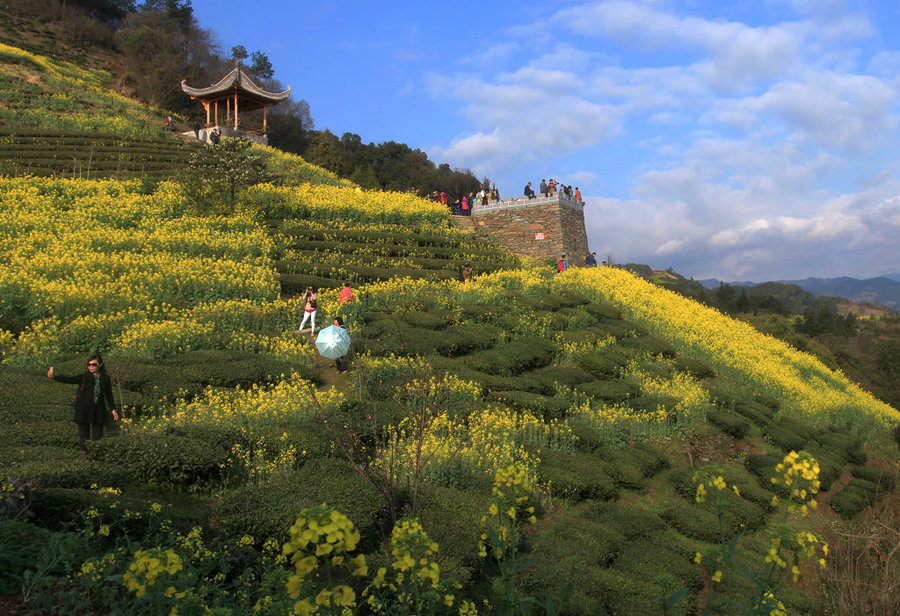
(729, 422)
(548, 407)
(576, 476)
(514, 357)
(162, 459)
(270, 509)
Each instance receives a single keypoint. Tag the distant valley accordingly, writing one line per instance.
(883, 290)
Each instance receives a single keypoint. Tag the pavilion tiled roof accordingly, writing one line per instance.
(237, 79)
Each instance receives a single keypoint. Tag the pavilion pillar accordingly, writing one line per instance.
(265, 113)
(235, 110)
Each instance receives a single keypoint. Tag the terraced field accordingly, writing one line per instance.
(69, 154)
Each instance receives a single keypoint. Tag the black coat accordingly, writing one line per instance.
(86, 410)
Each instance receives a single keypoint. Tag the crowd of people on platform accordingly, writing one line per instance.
(463, 205)
(548, 189)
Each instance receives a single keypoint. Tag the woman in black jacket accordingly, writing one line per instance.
(91, 400)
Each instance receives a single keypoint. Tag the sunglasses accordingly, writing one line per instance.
(93, 364)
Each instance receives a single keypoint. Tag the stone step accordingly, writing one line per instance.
(464, 223)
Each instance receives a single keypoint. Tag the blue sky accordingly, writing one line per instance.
(742, 140)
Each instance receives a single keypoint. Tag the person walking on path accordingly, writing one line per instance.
(309, 310)
(340, 364)
(91, 400)
(346, 294)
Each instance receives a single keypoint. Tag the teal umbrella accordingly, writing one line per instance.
(333, 342)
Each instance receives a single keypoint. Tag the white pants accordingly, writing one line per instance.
(312, 317)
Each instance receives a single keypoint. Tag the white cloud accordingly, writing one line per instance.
(736, 149)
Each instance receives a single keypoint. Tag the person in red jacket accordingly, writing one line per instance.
(563, 266)
(346, 294)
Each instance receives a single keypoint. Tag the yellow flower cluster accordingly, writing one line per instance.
(147, 566)
(507, 509)
(731, 347)
(290, 399)
(320, 540)
(109, 262)
(800, 473)
(323, 202)
(487, 441)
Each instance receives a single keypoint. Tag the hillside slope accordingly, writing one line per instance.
(663, 450)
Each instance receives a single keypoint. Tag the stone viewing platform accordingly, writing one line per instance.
(522, 202)
(543, 227)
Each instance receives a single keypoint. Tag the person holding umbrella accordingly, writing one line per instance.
(333, 342)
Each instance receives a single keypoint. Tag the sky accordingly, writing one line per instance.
(731, 139)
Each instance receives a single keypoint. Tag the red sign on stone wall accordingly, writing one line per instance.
(538, 236)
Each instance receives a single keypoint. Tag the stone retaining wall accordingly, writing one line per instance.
(544, 227)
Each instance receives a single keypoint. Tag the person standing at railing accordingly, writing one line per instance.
(543, 188)
(578, 199)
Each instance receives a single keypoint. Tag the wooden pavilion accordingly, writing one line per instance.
(229, 98)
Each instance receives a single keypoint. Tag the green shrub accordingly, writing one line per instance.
(789, 434)
(763, 465)
(610, 390)
(548, 407)
(269, 510)
(592, 543)
(694, 367)
(575, 476)
(885, 480)
(625, 475)
(848, 446)
(618, 329)
(20, 546)
(645, 558)
(602, 311)
(650, 403)
(473, 337)
(427, 320)
(728, 422)
(162, 459)
(740, 514)
(604, 364)
(856, 496)
(65, 468)
(514, 357)
(629, 521)
(830, 468)
(566, 375)
(758, 413)
(693, 521)
(651, 344)
(643, 456)
(452, 519)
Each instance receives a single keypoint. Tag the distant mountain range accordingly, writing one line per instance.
(884, 290)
